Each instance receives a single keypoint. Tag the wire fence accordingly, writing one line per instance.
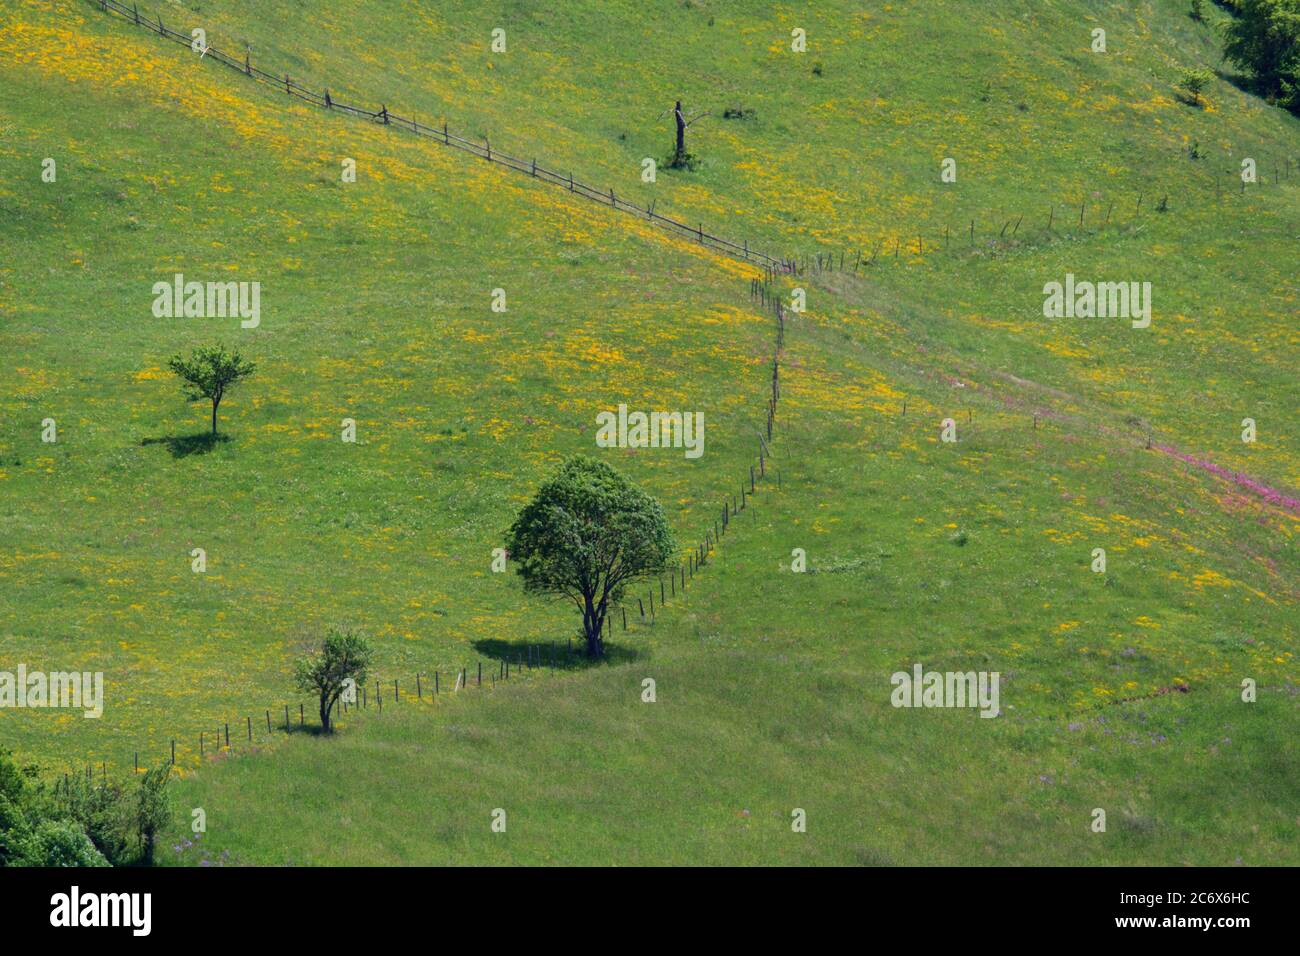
(670, 586)
(284, 718)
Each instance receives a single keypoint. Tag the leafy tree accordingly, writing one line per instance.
(585, 536)
(1264, 39)
(343, 655)
(209, 373)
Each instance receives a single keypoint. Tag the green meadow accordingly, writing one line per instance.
(1120, 690)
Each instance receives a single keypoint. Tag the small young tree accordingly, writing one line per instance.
(1193, 83)
(343, 655)
(209, 373)
(585, 536)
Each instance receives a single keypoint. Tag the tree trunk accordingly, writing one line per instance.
(681, 131)
(325, 705)
(215, 403)
(592, 622)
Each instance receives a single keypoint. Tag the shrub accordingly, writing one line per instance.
(57, 843)
(80, 823)
(682, 160)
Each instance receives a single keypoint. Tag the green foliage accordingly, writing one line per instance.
(105, 814)
(1193, 82)
(586, 535)
(343, 655)
(782, 659)
(152, 809)
(1264, 40)
(209, 372)
(81, 822)
(683, 159)
(57, 843)
(1197, 11)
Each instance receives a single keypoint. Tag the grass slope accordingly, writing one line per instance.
(773, 687)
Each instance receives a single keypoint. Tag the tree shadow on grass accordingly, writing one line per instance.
(552, 654)
(182, 446)
(1241, 81)
(314, 729)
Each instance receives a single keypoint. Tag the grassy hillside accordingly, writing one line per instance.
(376, 300)
(1120, 690)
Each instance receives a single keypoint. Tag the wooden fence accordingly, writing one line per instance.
(734, 503)
(483, 150)
(282, 718)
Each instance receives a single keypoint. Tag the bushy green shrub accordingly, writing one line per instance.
(80, 822)
(56, 843)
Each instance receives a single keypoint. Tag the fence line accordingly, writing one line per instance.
(533, 656)
(284, 718)
(737, 250)
(732, 505)
(484, 150)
